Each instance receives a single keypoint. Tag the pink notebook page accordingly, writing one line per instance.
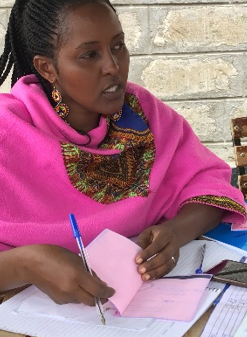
(241, 227)
(112, 257)
(168, 298)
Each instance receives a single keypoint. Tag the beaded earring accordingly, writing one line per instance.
(115, 117)
(61, 108)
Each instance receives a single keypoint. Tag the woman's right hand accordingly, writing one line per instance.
(61, 275)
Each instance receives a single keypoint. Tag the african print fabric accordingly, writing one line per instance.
(110, 178)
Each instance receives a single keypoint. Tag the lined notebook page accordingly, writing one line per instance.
(189, 259)
(13, 321)
(40, 326)
(228, 314)
(242, 329)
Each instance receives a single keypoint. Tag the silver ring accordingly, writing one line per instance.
(173, 259)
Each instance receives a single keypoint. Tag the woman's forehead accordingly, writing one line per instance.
(91, 19)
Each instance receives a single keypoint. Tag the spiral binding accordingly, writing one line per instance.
(214, 289)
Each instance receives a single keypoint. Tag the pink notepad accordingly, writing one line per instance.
(112, 257)
(240, 227)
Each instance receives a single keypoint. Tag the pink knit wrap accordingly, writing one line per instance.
(37, 195)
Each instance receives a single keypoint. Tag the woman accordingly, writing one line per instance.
(77, 138)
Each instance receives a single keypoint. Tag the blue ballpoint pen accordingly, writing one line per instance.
(199, 270)
(83, 253)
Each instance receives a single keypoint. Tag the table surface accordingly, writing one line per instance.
(194, 331)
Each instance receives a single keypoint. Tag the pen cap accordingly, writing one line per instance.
(74, 226)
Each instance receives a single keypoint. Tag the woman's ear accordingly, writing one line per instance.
(45, 68)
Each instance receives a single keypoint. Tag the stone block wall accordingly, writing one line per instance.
(191, 54)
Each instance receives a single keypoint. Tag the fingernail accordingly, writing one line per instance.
(139, 261)
(146, 277)
(142, 270)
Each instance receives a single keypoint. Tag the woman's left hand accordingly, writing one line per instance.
(160, 252)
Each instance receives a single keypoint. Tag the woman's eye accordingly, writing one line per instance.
(119, 46)
(88, 55)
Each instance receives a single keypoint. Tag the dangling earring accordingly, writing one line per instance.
(115, 117)
(61, 108)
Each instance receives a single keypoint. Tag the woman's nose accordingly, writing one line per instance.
(110, 64)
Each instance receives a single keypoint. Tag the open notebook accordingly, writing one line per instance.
(16, 315)
(15, 320)
(112, 257)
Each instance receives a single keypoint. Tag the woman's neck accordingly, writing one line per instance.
(83, 124)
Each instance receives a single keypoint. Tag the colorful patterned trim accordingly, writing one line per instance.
(110, 178)
(128, 137)
(135, 105)
(107, 179)
(221, 202)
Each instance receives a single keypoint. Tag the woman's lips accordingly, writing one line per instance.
(112, 89)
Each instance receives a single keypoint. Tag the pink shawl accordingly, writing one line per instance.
(37, 193)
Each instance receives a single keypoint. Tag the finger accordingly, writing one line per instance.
(77, 296)
(154, 262)
(97, 288)
(158, 272)
(103, 300)
(156, 246)
(145, 238)
(95, 275)
(161, 264)
(83, 296)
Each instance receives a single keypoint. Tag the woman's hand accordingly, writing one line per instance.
(161, 243)
(160, 252)
(61, 275)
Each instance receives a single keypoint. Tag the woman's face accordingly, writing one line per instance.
(93, 63)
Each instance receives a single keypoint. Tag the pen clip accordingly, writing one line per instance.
(203, 249)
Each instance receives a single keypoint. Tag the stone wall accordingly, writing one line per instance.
(192, 54)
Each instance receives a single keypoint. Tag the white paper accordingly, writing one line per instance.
(13, 318)
(189, 259)
(39, 303)
(242, 329)
(48, 326)
(228, 314)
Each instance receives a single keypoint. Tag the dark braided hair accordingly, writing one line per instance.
(35, 28)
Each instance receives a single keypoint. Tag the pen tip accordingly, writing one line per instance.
(103, 320)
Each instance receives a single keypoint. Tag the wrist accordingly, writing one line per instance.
(11, 269)
(23, 263)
